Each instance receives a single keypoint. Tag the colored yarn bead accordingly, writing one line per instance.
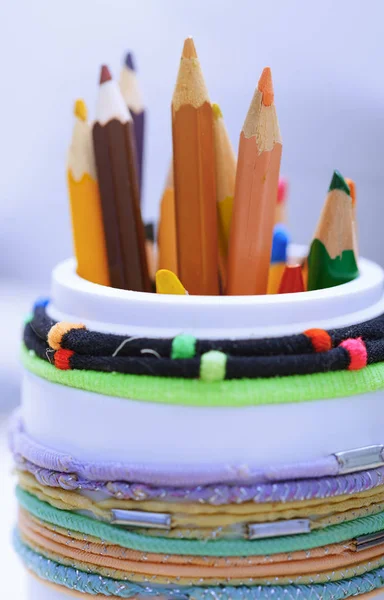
(321, 340)
(183, 346)
(358, 353)
(55, 334)
(62, 358)
(212, 366)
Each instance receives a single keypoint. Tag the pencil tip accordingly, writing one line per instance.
(338, 183)
(130, 62)
(217, 114)
(352, 188)
(80, 110)
(189, 50)
(265, 86)
(105, 74)
(282, 190)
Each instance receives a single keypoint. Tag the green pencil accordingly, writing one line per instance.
(332, 259)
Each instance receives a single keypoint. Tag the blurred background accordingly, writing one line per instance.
(326, 59)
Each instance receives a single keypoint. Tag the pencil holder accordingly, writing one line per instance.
(202, 447)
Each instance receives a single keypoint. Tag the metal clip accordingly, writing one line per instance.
(257, 531)
(139, 518)
(369, 541)
(360, 459)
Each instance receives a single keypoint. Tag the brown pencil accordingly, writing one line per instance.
(117, 175)
(254, 206)
(194, 178)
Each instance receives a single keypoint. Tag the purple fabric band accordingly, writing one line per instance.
(26, 448)
(288, 491)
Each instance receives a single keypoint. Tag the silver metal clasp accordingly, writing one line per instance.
(360, 459)
(140, 518)
(258, 531)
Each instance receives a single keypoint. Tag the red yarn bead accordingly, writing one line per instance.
(62, 358)
(357, 352)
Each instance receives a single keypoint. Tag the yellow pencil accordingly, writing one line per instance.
(168, 283)
(87, 221)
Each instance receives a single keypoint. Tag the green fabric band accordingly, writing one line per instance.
(127, 539)
(195, 392)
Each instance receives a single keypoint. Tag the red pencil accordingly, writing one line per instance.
(292, 280)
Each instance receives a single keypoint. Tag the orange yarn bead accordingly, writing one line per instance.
(321, 340)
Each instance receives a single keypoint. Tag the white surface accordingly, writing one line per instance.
(155, 315)
(95, 427)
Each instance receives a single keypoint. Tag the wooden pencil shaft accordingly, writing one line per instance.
(140, 229)
(167, 232)
(253, 218)
(195, 198)
(109, 209)
(123, 164)
(139, 125)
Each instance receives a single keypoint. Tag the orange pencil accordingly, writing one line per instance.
(166, 235)
(292, 280)
(254, 207)
(194, 178)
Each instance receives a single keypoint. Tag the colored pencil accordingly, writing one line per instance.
(166, 235)
(292, 280)
(332, 259)
(254, 206)
(87, 221)
(151, 250)
(117, 174)
(131, 92)
(168, 283)
(278, 258)
(225, 179)
(352, 188)
(194, 178)
(281, 205)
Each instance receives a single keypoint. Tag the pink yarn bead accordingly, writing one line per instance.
(357, 352)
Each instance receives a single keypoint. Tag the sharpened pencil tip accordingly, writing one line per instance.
(352, 188)
(105, 74)
(130, 62)
(189, 50)
(265, 86)
(80, 110)
(338, 183)
(217, 114)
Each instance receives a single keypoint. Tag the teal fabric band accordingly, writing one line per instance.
(96, 584)
(135, 541)
(195, 392)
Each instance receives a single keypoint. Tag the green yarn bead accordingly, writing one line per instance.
(212, 366)
(183, 346)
